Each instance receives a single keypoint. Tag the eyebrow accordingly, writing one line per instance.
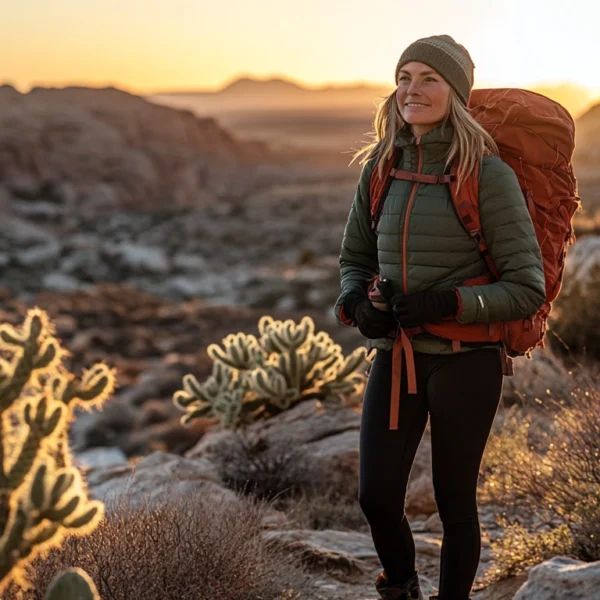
(421, 73)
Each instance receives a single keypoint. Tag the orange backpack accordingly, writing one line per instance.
(535, 136)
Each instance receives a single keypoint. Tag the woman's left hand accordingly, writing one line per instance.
(412, 310)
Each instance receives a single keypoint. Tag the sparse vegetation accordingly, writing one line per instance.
(311, 497)
(256, 378)
(544, 468)
(250, 464)
(180, 547)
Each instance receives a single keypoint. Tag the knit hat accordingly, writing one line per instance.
(447, 57)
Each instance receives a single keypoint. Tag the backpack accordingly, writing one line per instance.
(536, 137)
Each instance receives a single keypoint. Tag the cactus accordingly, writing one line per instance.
(74, 584)
(255, 378)
(42, 496)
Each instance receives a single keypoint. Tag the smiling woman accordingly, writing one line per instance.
(417, 244)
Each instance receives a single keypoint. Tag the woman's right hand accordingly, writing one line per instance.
(371, 322)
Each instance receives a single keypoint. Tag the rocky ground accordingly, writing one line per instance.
(153, 342)
(340, 564)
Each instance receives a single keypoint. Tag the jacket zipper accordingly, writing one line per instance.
(407, 216)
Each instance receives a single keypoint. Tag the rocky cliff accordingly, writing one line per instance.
(105, 146)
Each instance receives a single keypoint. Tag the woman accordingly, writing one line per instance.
(420, 246)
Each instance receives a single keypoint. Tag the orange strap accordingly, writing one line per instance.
(420, 177)
(401, 346)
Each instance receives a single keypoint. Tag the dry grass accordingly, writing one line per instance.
(544, 468)
(312, 497)
(331, 502)
(182, 548)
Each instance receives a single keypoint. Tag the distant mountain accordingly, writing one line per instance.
(587, 131)
(247, 85)
(253, 94)
(275, 85)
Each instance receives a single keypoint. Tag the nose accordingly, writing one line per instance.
(413, 88)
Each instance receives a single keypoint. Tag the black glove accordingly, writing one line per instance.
(412, 310)
(371, 322)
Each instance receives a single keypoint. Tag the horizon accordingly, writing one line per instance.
(577, 99)
(265, 79)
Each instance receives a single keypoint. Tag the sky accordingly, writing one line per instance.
(147, 46)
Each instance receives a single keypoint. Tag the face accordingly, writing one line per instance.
(423, 97)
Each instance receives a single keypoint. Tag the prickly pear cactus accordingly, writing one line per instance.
(257, 377)
(42, 497)
(74, 584)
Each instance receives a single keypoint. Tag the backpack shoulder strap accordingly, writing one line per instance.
(378, 188)
(466, 203)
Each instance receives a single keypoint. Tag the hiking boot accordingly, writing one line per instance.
(409, 590)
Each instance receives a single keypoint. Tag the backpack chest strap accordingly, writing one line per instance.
(420, 177)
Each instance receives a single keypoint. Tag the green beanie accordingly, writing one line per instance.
(447, 57)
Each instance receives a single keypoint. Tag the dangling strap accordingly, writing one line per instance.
(507, 363)
(401, 346)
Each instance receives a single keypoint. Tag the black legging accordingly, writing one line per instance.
(461, 393)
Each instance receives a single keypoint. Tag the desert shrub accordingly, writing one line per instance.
(544, 467)
(256, 378)
(312, 497)
(575, 319)
(252, 464)
(42, 496)
(177, 548)
(520, 549)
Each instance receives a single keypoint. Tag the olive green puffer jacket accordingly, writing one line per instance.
(421, 245)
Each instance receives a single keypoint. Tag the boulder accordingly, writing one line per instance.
(23, 234)
(155, 477)
(98, 458)
(582, 259)
(309, 423)
(329, 434)
(562, 578)
(137, 258)
(60, 282)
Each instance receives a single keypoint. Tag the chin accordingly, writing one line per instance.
(420, 121)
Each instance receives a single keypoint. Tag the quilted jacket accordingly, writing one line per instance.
(420, 244)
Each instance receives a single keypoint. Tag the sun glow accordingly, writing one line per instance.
(151, 45)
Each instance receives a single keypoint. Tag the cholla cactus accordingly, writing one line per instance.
(42, 497)
(255, 378)
(74, 584)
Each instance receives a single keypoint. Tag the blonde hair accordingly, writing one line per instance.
(470, 141)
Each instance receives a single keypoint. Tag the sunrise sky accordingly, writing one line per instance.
(152, 45)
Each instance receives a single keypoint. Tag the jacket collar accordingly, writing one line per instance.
(435, 143)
